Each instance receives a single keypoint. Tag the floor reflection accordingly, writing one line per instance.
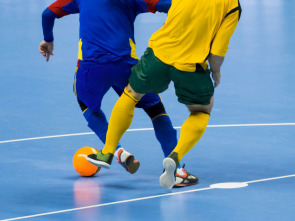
(86, 193)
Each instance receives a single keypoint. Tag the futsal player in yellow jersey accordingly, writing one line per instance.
(195, 32)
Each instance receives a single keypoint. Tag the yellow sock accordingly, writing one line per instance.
(120, 121)
(191, 131)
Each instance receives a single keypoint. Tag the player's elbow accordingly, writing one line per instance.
(163, 6)
(48, 14)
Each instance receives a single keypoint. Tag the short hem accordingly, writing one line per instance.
(196, 103)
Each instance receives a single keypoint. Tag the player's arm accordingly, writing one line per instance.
(163, 6)
(215, 63)
(46, 46)
(220, 43)
(152, 6)
(58, 9)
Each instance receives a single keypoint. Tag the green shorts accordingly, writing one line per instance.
(150, 75)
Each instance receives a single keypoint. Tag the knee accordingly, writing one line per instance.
(82, 105)
(201, 108)
(155, 110)
(133, 93)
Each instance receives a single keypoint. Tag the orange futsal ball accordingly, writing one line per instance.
(81, 165)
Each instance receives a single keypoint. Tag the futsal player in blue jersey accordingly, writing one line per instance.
(106, 55)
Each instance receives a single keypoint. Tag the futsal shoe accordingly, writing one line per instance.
(101, 160)
(170, 163)
(184, 178)
(127, 160)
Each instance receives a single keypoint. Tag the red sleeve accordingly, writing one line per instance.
(151, 5)
(56, 7)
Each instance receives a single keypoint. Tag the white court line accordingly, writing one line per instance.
(137, 199)
(275, 178)
(146, 129)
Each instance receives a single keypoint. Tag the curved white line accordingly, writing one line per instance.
(146, 129)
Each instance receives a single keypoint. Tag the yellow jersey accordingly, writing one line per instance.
(193, 29)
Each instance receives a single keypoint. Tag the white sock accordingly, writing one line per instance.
(180, 171)
(124, 155)
(116, 153)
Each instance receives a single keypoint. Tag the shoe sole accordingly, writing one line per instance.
(99, 163)
(184, 184)
(132, 164)
(167, 179)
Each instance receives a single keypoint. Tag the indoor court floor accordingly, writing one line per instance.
(250, 138)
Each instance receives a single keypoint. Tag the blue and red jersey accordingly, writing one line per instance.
(106, 26)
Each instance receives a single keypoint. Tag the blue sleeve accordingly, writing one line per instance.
(163, 5)
(48, 18)
(58, 9)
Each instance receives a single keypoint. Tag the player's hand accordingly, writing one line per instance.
(216, 75)
(46, 49)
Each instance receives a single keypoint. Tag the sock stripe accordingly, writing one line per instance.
(136, 101)
(159, 116)
(130, 95)
(85, 110)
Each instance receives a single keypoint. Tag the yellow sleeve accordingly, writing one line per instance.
(220, 42)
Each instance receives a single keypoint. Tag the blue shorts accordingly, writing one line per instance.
(92, 81)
